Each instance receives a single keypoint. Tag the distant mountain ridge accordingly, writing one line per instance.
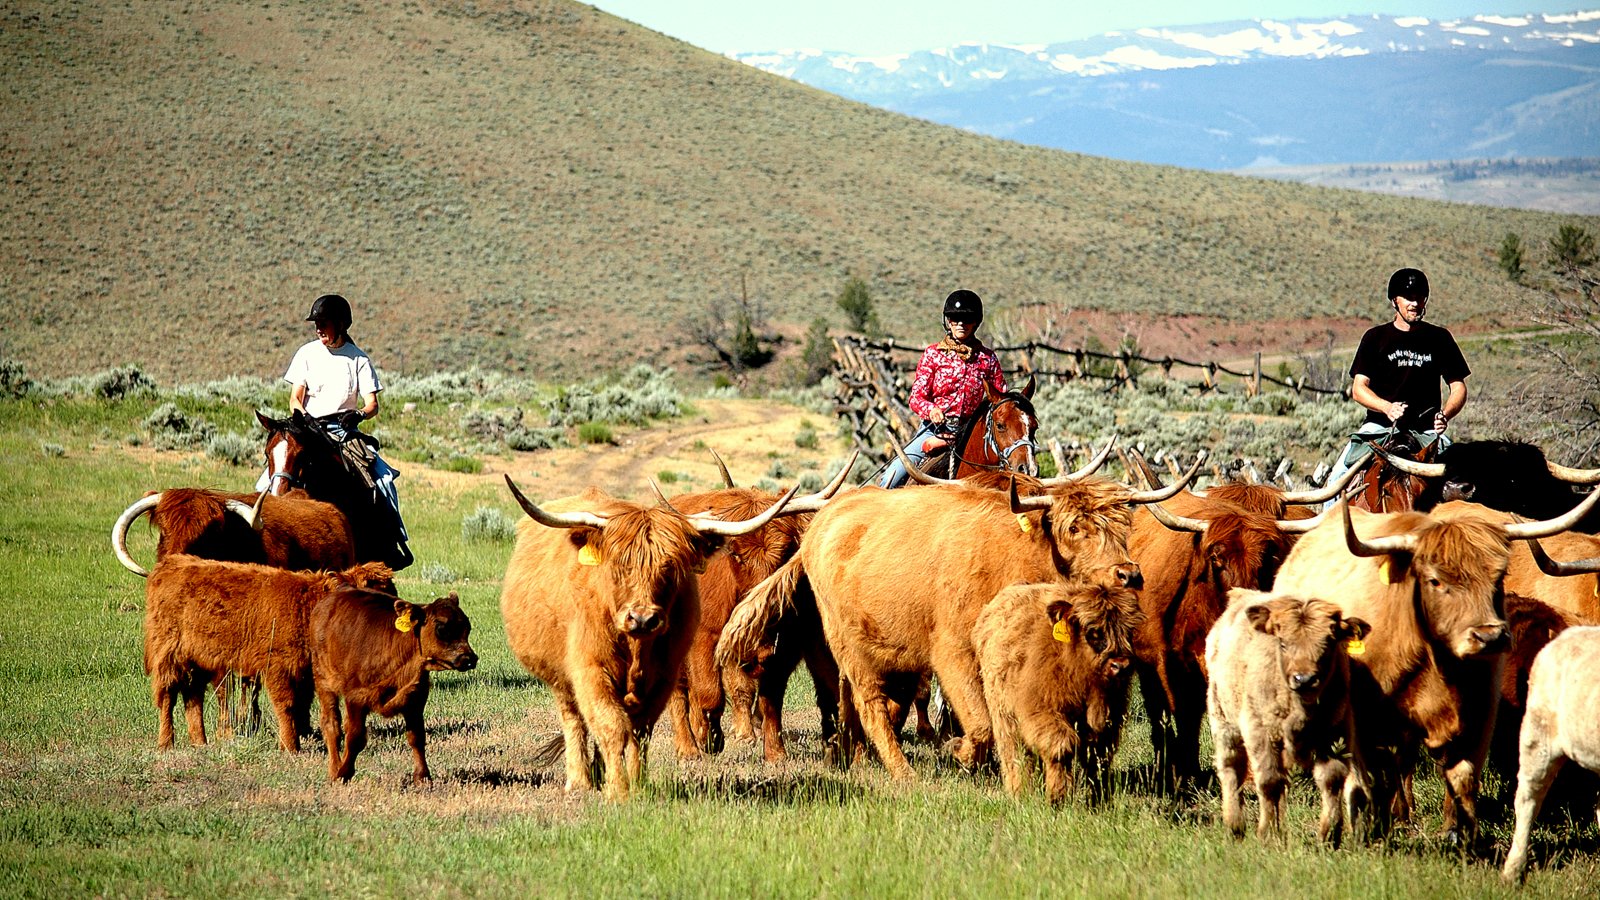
(1355, 89)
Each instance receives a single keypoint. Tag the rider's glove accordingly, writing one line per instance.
(350, 420)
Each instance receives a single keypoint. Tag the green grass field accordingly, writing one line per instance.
(88, 807)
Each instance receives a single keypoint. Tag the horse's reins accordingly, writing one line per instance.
(993, 446)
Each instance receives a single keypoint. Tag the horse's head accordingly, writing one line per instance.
(299, 453)
(1007, 423)
(1385, 487)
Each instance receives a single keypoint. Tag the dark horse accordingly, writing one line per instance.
(997, 436)
(302, 454)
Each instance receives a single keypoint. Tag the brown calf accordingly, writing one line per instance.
(374, 651)
(1056, 661)
(204, 617)
(292, 532)
(1280, 695)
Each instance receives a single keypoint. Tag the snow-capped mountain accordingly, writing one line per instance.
(1226, 95)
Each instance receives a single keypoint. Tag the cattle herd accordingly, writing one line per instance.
(1341, 642)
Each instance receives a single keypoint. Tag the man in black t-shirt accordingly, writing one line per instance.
(1397, 371)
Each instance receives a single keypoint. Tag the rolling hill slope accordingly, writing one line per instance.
(540, 187)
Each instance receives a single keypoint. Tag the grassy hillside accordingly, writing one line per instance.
(540, 187)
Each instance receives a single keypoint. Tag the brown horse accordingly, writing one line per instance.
(302, 454)
(998, 436)
(1383, 487)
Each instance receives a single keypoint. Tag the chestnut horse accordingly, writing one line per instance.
(1385, 488)
(998, 436)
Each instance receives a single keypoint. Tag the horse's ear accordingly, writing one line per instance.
(989, 393)
(1027, 389)
(267, 422)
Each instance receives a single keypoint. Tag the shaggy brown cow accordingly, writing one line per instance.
(1056, 661)
(374, 651)
(1192, 550)
(600, 602)
(287, 532)
(1560, 725)
(204, 617)
(1280, 696)
(1533, 624)
(900, 577)
(744, 561)
(1566, 576)
(1430, 587)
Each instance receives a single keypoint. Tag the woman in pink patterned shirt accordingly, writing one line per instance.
(950, 381)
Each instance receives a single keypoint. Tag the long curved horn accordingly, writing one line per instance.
(1171, 490)
(661, 498)
(1301, 526)
(251, 514)
(1551, 567)
(1177, 522)
(1134, 459)
(1410, 466)
(1575, 476)
(1092, 467)
(918, 475)
(727, 480)
(1380, 546)
(119, 533)
(814, 502)
(745, 526)
(1326, 492)
(1026, 504)
(555, 520)
(1521, 531)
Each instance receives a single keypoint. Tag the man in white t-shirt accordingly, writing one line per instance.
(332, 377)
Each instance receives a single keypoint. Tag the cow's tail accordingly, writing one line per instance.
(550, 752)
(754, 616)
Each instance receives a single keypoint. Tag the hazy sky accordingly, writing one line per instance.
(892, 26)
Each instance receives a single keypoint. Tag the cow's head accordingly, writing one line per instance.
(1094, 625)
(1087, 523)
(648, 554)
(442, 630)
(1453, 564)
(1238, 548)
(1313, 637)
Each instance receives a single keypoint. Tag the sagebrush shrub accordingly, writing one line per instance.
(488, 525)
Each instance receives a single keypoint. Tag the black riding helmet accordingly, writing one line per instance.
(963, 306)
(331, 308)
(1408, 283)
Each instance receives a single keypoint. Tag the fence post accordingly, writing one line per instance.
(1255, 377)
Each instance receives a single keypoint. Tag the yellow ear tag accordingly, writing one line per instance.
(1383, 571)
(403, 621)
(1060, 632)
(1024, 523)
(1355, 647)
(589, 555)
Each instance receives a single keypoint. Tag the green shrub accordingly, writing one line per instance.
(595, 433)
(460, 462)
(121, 382)
(14, 381)
(806, 438)
(488, 525)
(668, 477)
(233, 447)
(641, 395)
(436, 573)
(171, 429)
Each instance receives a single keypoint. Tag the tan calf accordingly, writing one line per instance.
(1056, 662)
(1280, 696)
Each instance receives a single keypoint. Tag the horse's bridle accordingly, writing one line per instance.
(993, 446)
